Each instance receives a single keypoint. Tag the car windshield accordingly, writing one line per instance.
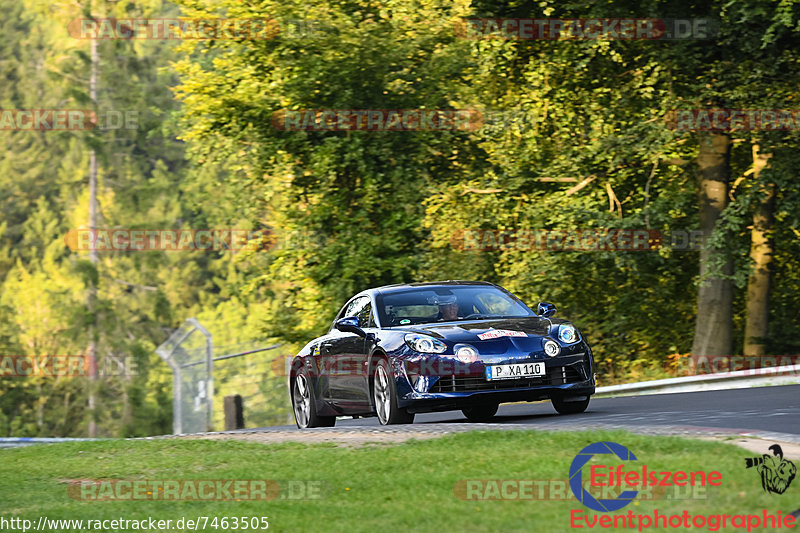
(447, 304)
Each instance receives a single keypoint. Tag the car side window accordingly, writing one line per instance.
(356, 306)
(346, 311)
(350, 308)
(365, 316)
(362, 308)
(353, 308)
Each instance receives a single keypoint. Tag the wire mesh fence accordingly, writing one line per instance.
(189, 354)
(203, 374)
(257, 375)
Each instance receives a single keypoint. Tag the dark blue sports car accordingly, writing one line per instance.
(403, 349)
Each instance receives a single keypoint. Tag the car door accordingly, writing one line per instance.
(325, 358)
(347, 376)
(359, 381)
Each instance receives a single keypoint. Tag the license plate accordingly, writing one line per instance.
(522, 370)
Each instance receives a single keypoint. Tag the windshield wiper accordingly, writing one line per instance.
(480, 315)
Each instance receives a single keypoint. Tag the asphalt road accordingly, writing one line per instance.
(762, 409)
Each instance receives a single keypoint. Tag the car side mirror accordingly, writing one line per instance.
(350, 324)
(545, 309)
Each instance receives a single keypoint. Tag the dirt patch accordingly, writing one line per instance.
(357, 436)
(759, 447)
(348, 439)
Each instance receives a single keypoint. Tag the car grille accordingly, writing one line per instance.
(557, 375)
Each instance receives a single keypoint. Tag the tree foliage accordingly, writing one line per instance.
(575, 135)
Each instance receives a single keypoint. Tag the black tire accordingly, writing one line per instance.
(565, 407)
(304, 405)
(384, 397)
(480, 413)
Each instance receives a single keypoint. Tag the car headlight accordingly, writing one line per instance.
(425, 343)
(567, 333)
(465, 353)
(551, 348)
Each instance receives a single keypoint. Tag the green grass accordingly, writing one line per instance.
(380, 488)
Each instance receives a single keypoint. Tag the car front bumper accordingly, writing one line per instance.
(569, 376)
(458, 400)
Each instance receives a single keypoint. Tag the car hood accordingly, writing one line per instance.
(494, 335)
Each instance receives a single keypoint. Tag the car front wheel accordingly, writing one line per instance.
(384, 395)
(570, 406)
(304, 404)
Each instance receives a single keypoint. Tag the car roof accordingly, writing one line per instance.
(386, 289)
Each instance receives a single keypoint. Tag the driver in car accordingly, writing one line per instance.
(448, 307)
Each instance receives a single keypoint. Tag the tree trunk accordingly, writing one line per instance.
(761, 250)
(91, 405)
(713, 327)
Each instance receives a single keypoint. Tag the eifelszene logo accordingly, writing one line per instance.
(776, 472)
(640, 476)
(576, 480)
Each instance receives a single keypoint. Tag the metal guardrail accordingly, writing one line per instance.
(738, 379)
(16, 442)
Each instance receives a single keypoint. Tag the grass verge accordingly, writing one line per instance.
(409, 486)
